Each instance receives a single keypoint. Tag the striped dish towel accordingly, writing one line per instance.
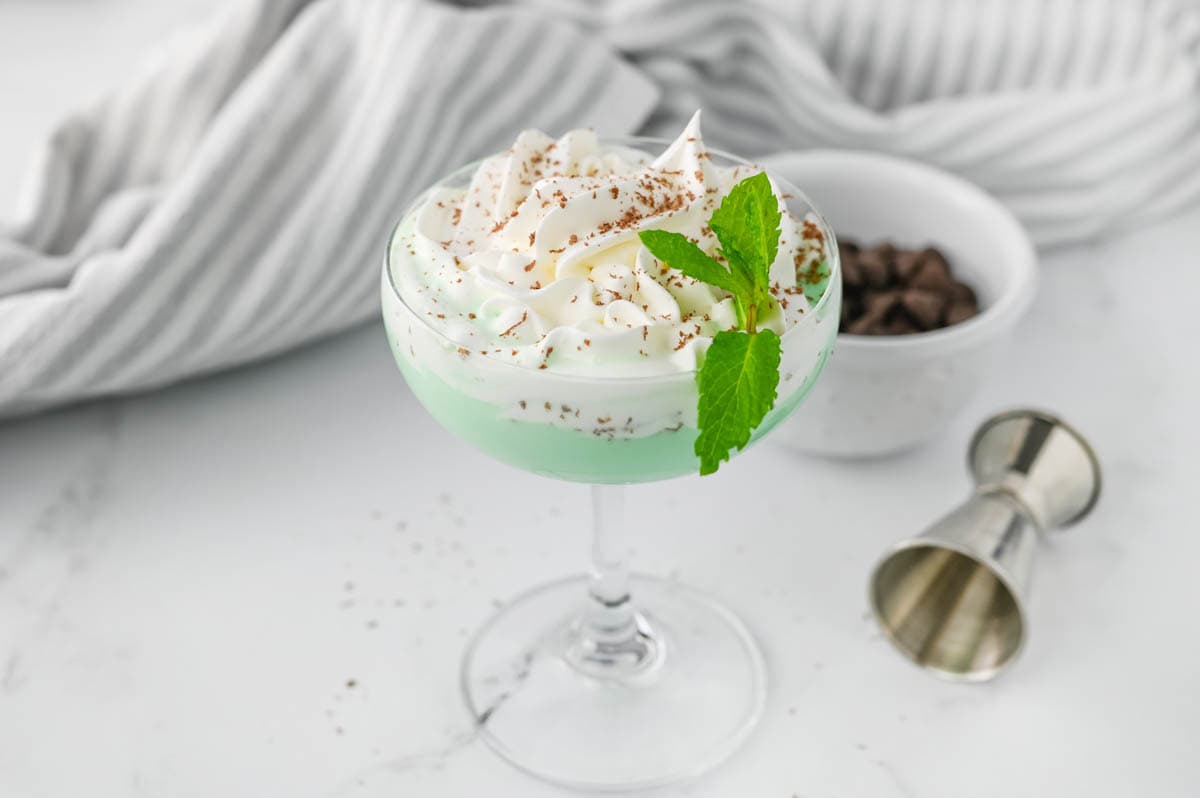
(232, 201)
(1083, 116)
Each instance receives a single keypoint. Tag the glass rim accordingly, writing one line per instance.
(833, 258)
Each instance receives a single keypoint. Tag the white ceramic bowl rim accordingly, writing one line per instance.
(1018, 253)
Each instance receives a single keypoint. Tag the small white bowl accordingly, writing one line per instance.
(884, 394)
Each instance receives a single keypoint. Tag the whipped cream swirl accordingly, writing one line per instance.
(537, 262)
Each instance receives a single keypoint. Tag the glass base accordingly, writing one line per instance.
(669, 719)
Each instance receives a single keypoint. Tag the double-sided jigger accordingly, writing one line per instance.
(951, 599)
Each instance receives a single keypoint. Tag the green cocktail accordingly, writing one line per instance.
(528, 320)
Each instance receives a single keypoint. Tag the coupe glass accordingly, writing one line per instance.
(607, 680)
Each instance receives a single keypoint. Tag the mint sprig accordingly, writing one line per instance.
(747, 225)
(737, 390)
(740, 373)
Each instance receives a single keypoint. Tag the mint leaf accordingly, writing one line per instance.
(740, 373)
(737, 390)
(747, 225)
(678, 252)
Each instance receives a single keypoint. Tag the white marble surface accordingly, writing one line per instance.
(189, 579)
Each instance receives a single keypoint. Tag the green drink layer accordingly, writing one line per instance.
(570, 454)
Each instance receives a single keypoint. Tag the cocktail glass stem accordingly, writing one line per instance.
(611, 639)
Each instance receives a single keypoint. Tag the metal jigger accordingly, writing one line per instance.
(951, 600)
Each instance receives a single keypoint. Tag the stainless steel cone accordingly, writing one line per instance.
(952, 598)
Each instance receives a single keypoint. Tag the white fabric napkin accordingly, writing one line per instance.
(232, 201)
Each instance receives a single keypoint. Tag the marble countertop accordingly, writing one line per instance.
(189, 579)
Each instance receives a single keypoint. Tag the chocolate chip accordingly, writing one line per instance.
(905, 265)
(866, 326)
(892, 291)
(875, 313)
(925, 307)
(852, 273)
(934, 254)
(961, 292)
(874, 268)
(932, 274)
(900, 325)
(886, 251)
(959, 312)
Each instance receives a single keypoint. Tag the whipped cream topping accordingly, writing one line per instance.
(537, 262)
